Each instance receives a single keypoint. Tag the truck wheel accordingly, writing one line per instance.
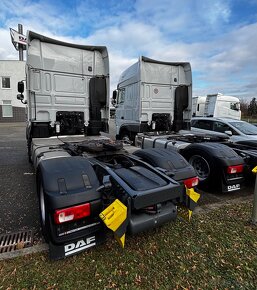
(29, 150)
(204, 166)
(42, 210)
(201, 166)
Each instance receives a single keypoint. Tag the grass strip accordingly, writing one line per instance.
(216, 250)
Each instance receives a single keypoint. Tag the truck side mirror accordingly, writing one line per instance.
(21, 87)
(114, 97)
(20, 97)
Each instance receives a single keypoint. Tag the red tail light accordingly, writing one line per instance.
(191, 182)
(235, 169)
(72, 213)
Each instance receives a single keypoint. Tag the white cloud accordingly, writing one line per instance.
(7, 50)
(118, 63)
(131, 38)
(223, 61)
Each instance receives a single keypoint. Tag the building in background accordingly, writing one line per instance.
(11, 109)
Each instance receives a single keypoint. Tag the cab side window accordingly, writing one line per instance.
(121, 96)
(222, 127)
(203, 124)
(194, 123)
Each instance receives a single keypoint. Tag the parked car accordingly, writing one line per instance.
(236, 130)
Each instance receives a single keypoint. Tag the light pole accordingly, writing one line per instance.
(20, 46)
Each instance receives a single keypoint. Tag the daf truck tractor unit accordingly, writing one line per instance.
(153, 95)
(154, 108)
(87, 183)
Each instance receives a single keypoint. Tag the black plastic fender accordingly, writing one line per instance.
(217, 157)
(222, 154)
(66, 182)
(174, 164)
(130, 131)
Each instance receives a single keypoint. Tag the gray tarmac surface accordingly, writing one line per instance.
(18, 199)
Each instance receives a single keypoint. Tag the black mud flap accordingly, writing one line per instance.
(232, 187)
(74, 247)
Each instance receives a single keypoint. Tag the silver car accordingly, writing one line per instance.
(236, 130)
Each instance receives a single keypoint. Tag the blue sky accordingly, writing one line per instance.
(218, 38)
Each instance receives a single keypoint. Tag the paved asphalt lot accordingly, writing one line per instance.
(18, 200)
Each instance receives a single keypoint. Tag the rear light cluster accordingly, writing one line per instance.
(72, 213)
(235, 169)
(191, 182)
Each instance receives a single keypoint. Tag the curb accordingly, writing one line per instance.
(13, 124)
(26, 251)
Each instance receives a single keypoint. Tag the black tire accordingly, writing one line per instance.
(44, 216)
(205, 167)
(29, 150)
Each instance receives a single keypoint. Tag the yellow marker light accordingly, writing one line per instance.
(254, 170)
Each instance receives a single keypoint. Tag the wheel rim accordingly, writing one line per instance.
(42, 205)
(201, 166)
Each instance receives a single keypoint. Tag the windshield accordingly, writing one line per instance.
(245, 127)
(235, 106)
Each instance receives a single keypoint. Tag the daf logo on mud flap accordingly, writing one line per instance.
(78, 246)
(233, 187)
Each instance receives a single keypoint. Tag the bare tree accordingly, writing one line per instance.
(252, 108)
(244, 108)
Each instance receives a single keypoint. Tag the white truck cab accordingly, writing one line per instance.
(216, 105)
(153, 95)
(67, 87)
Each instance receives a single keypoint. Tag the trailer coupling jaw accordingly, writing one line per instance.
(186, 208)
(115, 217)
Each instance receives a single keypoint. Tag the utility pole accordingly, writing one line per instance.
(20, 46)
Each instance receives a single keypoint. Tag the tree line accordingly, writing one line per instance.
(249, 109)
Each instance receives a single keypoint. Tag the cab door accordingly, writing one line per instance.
(120, 110)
